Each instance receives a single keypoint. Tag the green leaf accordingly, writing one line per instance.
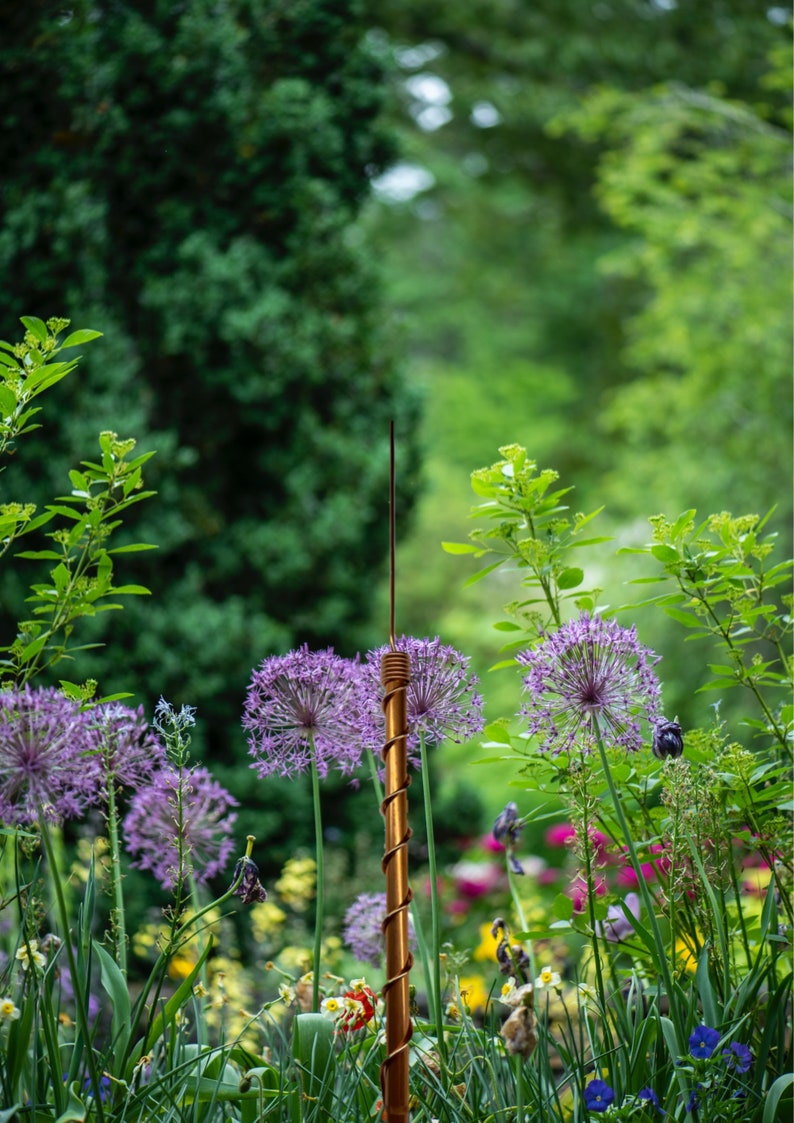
(562, 907)
(117, 989)
(131, 590)
(483, 573)
(313, 1050)
(84, 335)
(570, 578)
(36, 327)
(506, 626)
(783, 1086)
(460, 548)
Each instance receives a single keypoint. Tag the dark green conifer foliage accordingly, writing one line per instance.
(186, 178)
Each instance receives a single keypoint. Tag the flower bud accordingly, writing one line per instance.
(667, 740)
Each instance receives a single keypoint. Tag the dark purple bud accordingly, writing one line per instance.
(667, 740)
(250, 889)
(505, 829)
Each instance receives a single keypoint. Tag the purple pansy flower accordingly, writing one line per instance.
(591, 675)
(647, 1095)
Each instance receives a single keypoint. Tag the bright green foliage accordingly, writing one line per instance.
(80, 582)
(530, 527)
(190, 176)
(701, 185)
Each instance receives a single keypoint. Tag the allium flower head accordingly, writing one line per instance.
(441, 700)
(362, 929)
(46, 763)
(703, 1041)
(304, 703)
(183, 812)
(590, 674)
(129, 749)
(598, 1095)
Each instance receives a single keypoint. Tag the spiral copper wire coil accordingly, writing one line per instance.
(395, 676)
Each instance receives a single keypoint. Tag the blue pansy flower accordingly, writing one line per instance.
(598, 1096)
(738, 1057)
(703, 1041)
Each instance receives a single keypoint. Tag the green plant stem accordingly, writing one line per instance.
(373, 772)
(434, 984)
(518, 1062)
(81, 1010)
(319, 884)
(645, 893)
(522, 920)
(117, 919)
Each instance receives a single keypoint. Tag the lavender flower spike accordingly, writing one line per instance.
(301, 703)
(47, 767)
(181, 813)
(592, 674)
(441, 700)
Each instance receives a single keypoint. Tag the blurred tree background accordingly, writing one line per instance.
(578, 240)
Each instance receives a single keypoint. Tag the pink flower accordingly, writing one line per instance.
(577, 891)
(560, 834)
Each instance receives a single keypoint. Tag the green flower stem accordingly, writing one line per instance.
(522, 920)
(434, 984)
(518, 1062)
(600, 987)
(117, 919)
(79, 996)
(645, 893)
(319, 883)
(373, 772)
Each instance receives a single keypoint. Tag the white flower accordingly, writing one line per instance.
(286, 993)
(28, 954)
(9, 1012)
(333, 1008)
(547, 979)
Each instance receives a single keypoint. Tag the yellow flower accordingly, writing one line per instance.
(472, 993)
(266, 919)
(486, 949)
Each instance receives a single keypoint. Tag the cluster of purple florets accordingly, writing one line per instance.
(58, 761)
(317, 708)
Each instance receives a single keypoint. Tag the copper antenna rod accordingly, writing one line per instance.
(395, 673)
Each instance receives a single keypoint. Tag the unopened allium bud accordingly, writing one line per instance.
(667, 740)
(250, 889)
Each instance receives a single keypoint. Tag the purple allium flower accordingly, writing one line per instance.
(590, 672)
(301, 703)
(617, 926)
(738, 1057)
(703, 1041)
(46, 764)
(441, 701)
(128, 748)
(598, 1096)
(250, 889)
(186, 805)
(363, 928)
(649, 1096)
